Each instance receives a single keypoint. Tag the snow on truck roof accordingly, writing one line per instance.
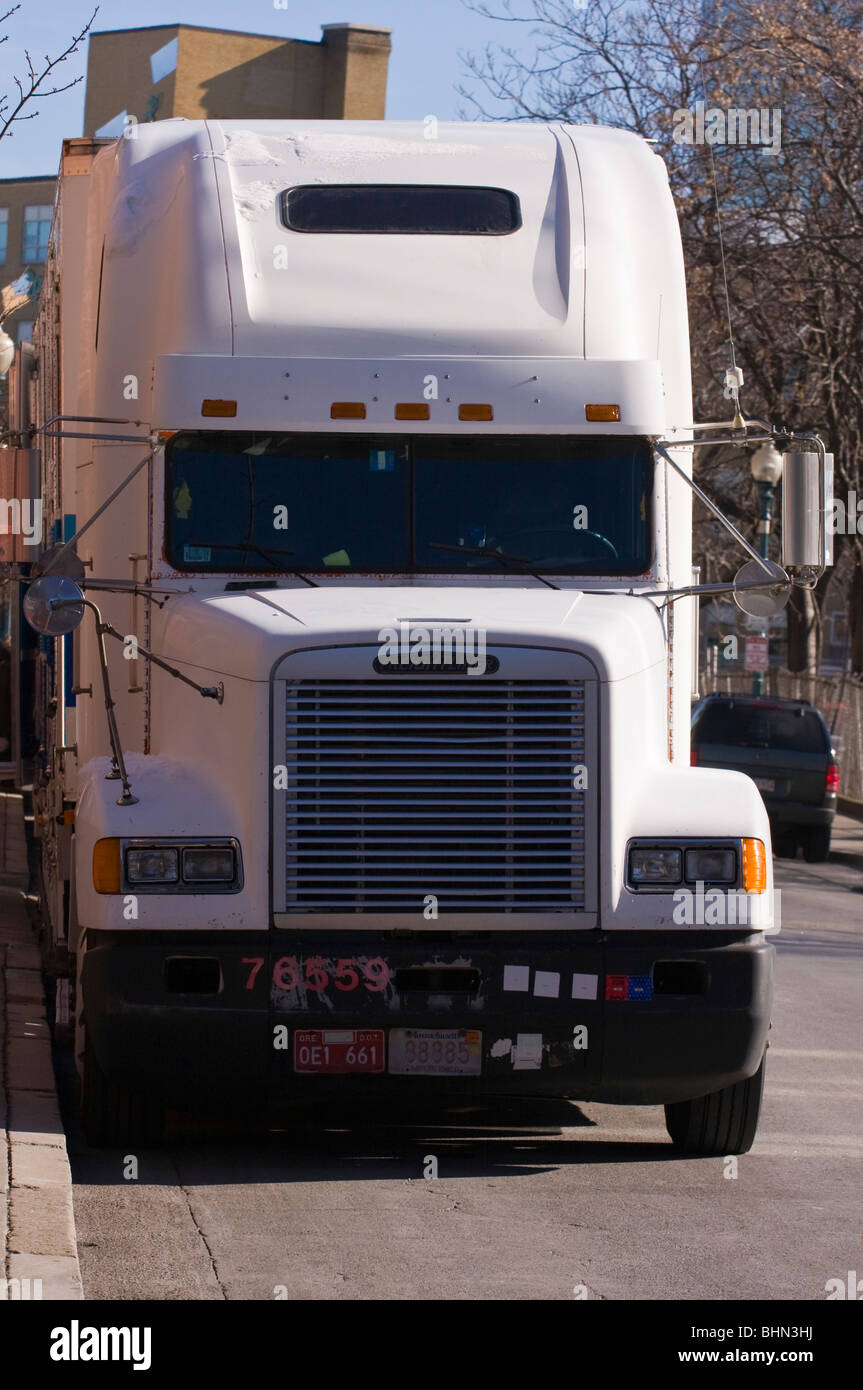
(593, 268)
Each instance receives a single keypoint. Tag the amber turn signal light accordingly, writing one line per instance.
(754, 866)
(107, 867)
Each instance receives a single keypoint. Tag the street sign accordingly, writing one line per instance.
(755, 655)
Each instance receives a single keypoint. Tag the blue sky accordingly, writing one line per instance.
(425, 67)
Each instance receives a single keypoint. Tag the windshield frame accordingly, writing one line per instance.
(505, 568)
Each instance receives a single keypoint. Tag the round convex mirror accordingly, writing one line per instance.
(54, 605)
(58, 560)
(766, 602)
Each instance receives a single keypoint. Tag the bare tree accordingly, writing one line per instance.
(37, 80)
(791, 206)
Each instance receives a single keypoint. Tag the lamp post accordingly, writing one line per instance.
(766, 465)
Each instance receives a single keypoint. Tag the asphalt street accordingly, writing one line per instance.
(532, 1199)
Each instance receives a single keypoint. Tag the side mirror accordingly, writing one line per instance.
(806, 543)
(54, 605)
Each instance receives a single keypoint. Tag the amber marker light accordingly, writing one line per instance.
(347, 410)
(409, 410)
(107, 867)
(602, 414)
(754, 866)
(220, 410)
(475, 412)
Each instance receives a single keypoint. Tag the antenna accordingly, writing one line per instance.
(733, 373)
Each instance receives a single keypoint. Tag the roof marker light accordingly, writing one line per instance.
(609, 414)
(410, 410)
(475, 412)
(348, 410)
(223, 410)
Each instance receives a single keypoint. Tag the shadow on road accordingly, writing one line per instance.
(505, 1138)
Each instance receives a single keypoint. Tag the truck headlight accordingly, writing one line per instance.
(153, 865)
(662, 865)
(711, 866)
(171, 864)
(209, 864)
(651, 864)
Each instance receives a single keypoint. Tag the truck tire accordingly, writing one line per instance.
(113, 1113)
(722, 1123)
(816, 844)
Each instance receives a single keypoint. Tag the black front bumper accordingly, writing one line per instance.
(672, 1017)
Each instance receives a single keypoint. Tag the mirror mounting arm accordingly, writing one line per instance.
(103, 629)
(118, 763)
(711, 505)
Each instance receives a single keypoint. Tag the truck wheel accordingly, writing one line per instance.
(816, 844)
(113, 1114)
(722, 1123)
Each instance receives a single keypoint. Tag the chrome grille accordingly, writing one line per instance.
(457, 787)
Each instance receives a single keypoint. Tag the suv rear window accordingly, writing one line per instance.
(759, 726)
(393, 208)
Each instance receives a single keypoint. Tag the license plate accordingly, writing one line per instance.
(435, 1052)
(765, 784)
(338, 1050)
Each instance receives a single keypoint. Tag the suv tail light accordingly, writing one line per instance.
(693, 757)
(832, 783)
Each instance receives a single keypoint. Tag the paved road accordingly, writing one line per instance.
(532, 1198)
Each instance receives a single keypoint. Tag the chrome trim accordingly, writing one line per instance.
(180, 842)
(439, 785)
(683, 843)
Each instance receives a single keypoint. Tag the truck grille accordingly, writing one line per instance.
(458, 788)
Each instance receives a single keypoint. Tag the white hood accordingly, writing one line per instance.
(245, 634)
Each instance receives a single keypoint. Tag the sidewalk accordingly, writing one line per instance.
(846, 842)
(37, 1225)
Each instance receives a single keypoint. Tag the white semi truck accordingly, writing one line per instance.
(368, 629)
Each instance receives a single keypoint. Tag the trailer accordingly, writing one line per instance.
(368, 629)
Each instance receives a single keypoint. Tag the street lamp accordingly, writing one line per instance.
(766, 465)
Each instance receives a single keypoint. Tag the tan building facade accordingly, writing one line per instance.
(199, 73)
(26, 209)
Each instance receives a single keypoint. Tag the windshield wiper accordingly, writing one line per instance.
(494, 552)
(256, 550)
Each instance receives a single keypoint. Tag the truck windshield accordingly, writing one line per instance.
(569, 505)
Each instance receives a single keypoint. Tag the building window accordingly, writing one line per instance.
(37, 231)
(115, 127)
(4, 234)
(164, 61)
(25, 330)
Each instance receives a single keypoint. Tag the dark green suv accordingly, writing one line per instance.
(787, 750)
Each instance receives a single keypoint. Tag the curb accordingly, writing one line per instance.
(846, 856)
(37, 1221)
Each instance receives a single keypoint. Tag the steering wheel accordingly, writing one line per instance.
(516, 536)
